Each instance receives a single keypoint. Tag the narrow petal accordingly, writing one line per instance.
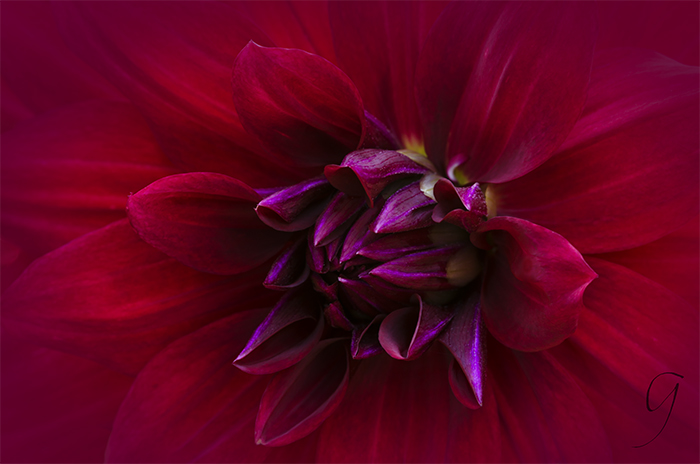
(368, 172)
(297, 105)
(533, 284)
(394, 246)
(188, 106)
(70, 172)
(189, 404)
(49, 417)
(289, 269)
(407, 209)
(382, 58)
(116, 300)
(296, 207)
(408, 333)
(337, 218)
(288, 333)
(628, 173)
(465, 338)
(515, 86)
(365, 339)
(297, 401)
(360, 234)
(206, 221)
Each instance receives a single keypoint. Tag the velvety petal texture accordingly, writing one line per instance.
(533, 284)
(631, 160)
(297, 105)
(501, 108)
(116, 300)
(206, 221)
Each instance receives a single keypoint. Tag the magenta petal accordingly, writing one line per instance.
(189, 404)
(533, 284)
(335, 315)
(628, 173)
(407, 209)
(206, 221)
(297, 401)
(408, 333)
(365, 339)
(522, 71)
(400, 244)
(287, 334)
(360, 234)
(464, 337)
(289, 269)
(117, 300)
(336, 219)
(297, 105)
(368, 172)
(296, 207)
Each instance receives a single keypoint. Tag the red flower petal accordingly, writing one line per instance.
(38, 68)
(117, 300)
(514, 87)
(69, 172)
(628, 173)
(533, 284)
(206, 221)
(175, 65)
(56, 407)
(189, 404)
(377, 44)
(297, 401)
(297, 105)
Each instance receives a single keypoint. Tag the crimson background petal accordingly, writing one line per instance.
(514, 86)
(189, 404)
(117, 300)
(628, 173)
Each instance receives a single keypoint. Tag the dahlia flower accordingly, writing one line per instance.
(356, 232)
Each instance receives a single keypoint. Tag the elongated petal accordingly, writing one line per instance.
(337, 218)
(533, 284)
(297, 401)
(360, 234)
(382, 58)
(206, 221)
(628, 173)
(369, 171)
(297, 105)
(394, 246)
(175, 65)
(287, 334)
(190, 404)
(116, 300)
(465, 338)
(408, 333)
(516, 86)
(69, 172)
(43, 403)
(365, 339)
(296, 207)
(289, 269)
(407, 209)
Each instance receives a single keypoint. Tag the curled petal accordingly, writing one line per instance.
(462, 206)
(336, 219)
(360, 233)
(289, 269)
(365, 339)
(407, 333)
(533, 284)
(407, 209)
(296, 207)
(464, 337)
(394, 246)
(287, 334)
(298, 400)
(204, 220)
(297, 105)
(368, 172)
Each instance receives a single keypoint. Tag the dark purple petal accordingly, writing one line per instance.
(297, 105)
(357, 295)
(316, 255)
(437, 269)
(298, 400)
(289, 269)
(407, 209)
(533, 284)
(462, 206)
(368, 172)
(408, 333)
(464, 337)
(336, 316)
(628, 173)
(360, 233)
(297, 207)
(336, 219)
(206, 221)
(514, 87)
(400, 244)
(365, 339)
(288, 333)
